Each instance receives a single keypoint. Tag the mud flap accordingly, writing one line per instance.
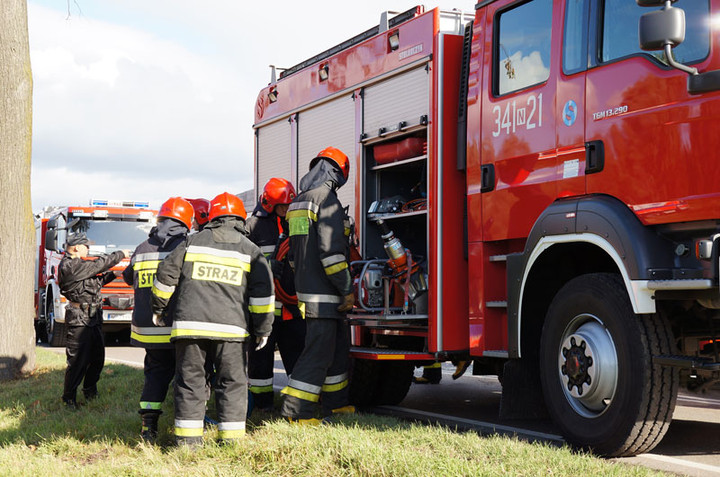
(522, 396)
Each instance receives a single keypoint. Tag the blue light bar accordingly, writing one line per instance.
(119, 203)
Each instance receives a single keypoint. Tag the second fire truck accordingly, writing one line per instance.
(110, 226)
(536, 190)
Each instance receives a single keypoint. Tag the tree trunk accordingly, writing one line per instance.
(17, 233)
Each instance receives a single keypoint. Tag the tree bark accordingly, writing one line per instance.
(17, 232)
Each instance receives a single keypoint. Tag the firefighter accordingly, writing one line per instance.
(224, 292)
(322, 279)
(432, 374)
(265, 226)
(80, 282)
(174, 222)
(202, 209)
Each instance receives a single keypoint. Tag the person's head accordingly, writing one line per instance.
(335, 157)
(77, 245)
(227, 204)
(178, 209)
(277, 195)
(202, 211)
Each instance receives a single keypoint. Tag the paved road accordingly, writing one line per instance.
(691, 446)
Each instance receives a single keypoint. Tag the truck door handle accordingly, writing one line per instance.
(594, 157)
(487, 179)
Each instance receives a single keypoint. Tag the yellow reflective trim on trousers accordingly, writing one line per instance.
(152, 406)
(234, 434)
(189, 432)
(278, 311)
(161, 294)
(338, 267)
(330, 388)
(228, 261)
(262, 308)
(150, 338)
(261, 389)
(304, 395)
(206, 333)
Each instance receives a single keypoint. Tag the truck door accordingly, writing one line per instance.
(654, 139)
(518, 115)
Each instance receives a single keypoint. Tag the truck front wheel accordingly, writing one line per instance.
(599, 383)
(55, 330)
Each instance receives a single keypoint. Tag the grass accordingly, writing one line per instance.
(39, 437)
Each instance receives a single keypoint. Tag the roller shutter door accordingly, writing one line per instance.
(274, 153)
(329, 124)
(404, 97)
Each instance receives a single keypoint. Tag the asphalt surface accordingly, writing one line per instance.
(690, 447)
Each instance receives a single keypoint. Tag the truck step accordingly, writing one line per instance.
(687, 362)
(388, 354)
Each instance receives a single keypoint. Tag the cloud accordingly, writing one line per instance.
(528, 70)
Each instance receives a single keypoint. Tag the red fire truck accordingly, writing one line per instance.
(110, 226)
(535, 190)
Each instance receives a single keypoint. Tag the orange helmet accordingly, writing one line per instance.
(227, 204)
(202, 210)
(276, 191)
(336, 156)
(179, 209)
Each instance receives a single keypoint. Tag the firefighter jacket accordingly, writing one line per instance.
(140, 274)
(318, 244)
(80, 282)
(223, 284)
(264, 230)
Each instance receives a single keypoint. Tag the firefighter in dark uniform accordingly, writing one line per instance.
(202, 211)
(80, 282)
(224, 292)
(174, 222)
(265, 226)
(319, 248)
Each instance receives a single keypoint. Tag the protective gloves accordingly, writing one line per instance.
(348, 302)
(261, 342)
(158, 320)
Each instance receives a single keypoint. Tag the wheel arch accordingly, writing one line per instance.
(571, 238)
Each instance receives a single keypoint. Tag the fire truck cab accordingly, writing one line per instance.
(110, 226)
(535, 190)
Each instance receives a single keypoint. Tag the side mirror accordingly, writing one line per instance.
(662, 27)
(51, 240)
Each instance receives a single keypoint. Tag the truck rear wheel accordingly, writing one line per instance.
(55, 331)
(376, 383)
(599, 383)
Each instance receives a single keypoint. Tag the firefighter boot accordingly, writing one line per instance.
(149, 430)
(431, 374)
(460, 369)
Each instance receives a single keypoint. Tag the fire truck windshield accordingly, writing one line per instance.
(110, 235)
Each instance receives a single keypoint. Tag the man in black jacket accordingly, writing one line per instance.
(224, 292)
(80, 282)
(322, 280)
(266, 225)
(174, 222)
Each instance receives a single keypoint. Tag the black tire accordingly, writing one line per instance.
(599, 383)
(363, 382)
(56, 334)
(394, 383)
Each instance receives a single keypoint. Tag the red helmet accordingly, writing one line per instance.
(179, 209)
(227, 204)
(335, 156)
(276, 191)
(202, 210)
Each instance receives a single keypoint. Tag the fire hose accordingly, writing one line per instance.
(281, 252)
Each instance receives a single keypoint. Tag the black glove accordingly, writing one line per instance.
(277, 268)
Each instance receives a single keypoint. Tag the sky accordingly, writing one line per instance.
(149, 99)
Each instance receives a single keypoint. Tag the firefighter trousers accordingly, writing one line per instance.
(228, 358)
(85, 352)
(289, 336)
(159, 369)
(321, 370)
